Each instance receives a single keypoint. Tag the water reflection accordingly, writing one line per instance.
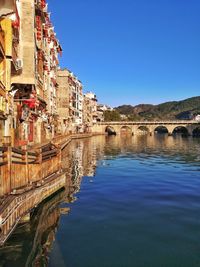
(31, 242)
(176, 148)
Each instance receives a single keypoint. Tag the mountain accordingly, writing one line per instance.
(175, 110)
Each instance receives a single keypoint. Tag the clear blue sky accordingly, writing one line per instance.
(131, 51)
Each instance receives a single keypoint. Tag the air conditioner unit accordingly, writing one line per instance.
(19, 64)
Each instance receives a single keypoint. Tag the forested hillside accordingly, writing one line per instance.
(185, 109)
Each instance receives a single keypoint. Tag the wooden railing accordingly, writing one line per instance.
(27, 177)
(63, 140)
(21, 169)
(17, 206)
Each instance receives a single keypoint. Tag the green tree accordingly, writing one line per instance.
(111, 115)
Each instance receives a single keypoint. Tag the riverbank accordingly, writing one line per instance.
(33, 175)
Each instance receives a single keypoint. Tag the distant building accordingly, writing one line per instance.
(75, 102)
(104, 107)
(100, 111)
(69, 102)
(87, 114)
(197, 118)
(123, 117)
(63, 104)
(93, 104)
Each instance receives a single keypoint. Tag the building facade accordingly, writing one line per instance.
(35, 86)
(75, 103)
(92, 100)
(38, 100)
(69, 102)
(63, 93)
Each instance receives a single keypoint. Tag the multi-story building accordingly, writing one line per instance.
(69, 102)
(35, 86)
(63, 93)
(75, 103)
(100, 111)
(91, 99)
(37, 100)
(87, 114)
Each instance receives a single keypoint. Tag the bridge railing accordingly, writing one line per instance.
(148, 122)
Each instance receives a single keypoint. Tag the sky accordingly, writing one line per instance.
(131, 51)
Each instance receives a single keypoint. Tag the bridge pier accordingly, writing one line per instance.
(190, 130)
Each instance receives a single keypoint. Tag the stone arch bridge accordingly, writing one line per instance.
(187, 127)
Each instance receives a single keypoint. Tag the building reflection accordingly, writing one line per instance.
(32, 241)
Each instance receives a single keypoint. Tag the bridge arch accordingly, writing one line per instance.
(125, 130)
(110, 130)
(161, 130)
(143, 130)
(180, 130)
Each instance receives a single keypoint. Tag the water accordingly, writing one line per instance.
(130, 202)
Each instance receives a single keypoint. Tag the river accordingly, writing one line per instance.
(130, 201)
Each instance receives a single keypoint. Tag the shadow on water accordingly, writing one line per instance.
(31, 243)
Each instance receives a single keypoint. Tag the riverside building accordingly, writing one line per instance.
(34, 88)
(93, 106)
(75, 103)
(70, 102)
(63, 104)
(38, 100)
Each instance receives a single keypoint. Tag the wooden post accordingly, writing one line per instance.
(40, 167)
(25, 160)
(59, 159)
(6, 171)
